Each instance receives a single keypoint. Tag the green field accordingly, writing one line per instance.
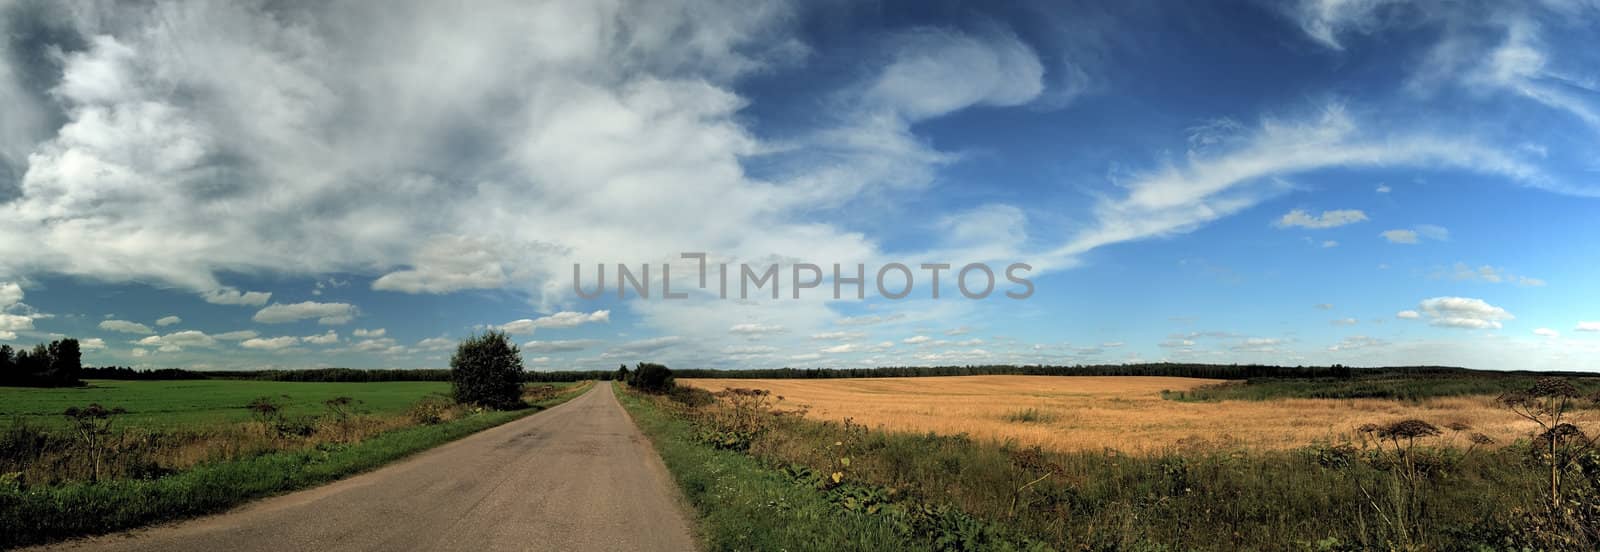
(193, 403)
(46, 493)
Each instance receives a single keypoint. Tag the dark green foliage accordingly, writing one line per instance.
(652, 378)
(1373, 385)
(487, 371)
(55, 365)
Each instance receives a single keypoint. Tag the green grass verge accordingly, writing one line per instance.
(40, 515)
(743, 504)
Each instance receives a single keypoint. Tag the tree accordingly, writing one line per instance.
(622, 373)
(652, 378)
(9, 374)
(487, 371)
(65, 363)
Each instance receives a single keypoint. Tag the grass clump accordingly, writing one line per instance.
(1031, 416)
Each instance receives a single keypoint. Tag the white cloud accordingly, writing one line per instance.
(1408, 315)
(916, 340)
(328, 338)
(558, 346)
(92, 344)
(1384, 189)
(1328, 244)
(1400, 236)
(176, 341)
(438, 344)
(1345, 322)
(1588, 327)
(325, 313)
(755, 330)
(168, 321)
(1323, 306)
(563, 319)
(1463, 312)
(10, 294)
(1325, 20)
(236, 335)
(1492, 275)
(939, 71)
(1178, 198)
(1328, 219)
(642, 348)
(1357, 342)
(230, 296)
(365, 332)
(270, 343)
(1546, 332)
(125, 326)
(838, 336)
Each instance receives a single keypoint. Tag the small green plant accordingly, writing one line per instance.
(430, 411)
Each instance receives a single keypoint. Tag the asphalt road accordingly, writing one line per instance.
(579, 476)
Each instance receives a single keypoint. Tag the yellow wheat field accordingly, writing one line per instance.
(1120, 412)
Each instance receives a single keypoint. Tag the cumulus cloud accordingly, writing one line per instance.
(177, 341)
(1588, 327)
(328, 338)
(230, 296)
(916, 340)
(239, 335)
(438, 344)
(92, 344)
(168, 321)
(210, 138)
(1408, 315)
(125, 326)
(369, 332)
(1462, 312)
(10, 294)
(1328, 219)
(325, 313)
(563, 319)
(270, 343)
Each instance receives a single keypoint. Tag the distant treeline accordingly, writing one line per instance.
(55, 365)
(1171, 369)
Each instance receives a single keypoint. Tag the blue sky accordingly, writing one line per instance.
(253, 185)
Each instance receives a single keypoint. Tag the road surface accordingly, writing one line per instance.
(579, 476)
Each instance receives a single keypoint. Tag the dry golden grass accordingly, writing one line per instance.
(1120, 412)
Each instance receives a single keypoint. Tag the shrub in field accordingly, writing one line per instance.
(486, 370)
(1572, 516)
(92, 424)
(651, 378)
(430, 411)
